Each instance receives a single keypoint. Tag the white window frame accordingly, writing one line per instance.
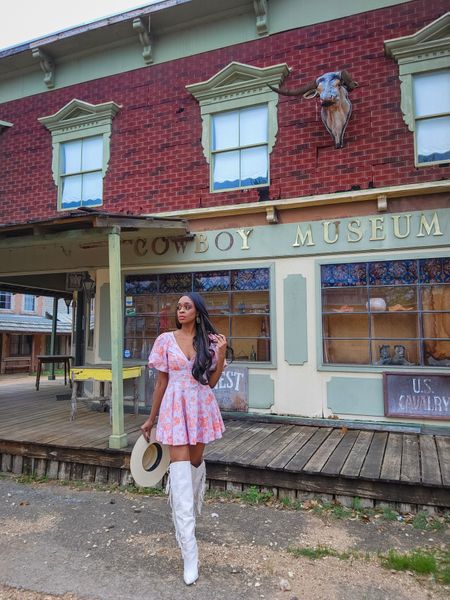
(27, 297)
(235, 87)
(426, 51)
(7, 295)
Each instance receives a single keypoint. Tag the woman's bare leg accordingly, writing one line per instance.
(178, 453)
(196, 454)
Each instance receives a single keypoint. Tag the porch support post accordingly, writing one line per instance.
(118, 439)
(53, 337)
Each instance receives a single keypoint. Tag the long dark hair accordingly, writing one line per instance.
(202, 343)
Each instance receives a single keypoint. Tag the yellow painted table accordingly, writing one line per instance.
(102, 374)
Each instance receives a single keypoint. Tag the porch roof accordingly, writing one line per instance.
(33, 324)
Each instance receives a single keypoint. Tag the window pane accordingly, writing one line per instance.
(253, 126)
(346, 274)
(437, 353)
(392, 271)
(29, 303)
(254, 166)
(71, 157)
(390, 325)
(396, 299)
(225, 131)
(226, 170)
(353, 352)
(92, 154)
(431, 93)
(92, 189)
(344, 300)
(346, 325)
(436, 297)
(434, 270)
(71, 191)
(5, 300)
(212, 281)
(402, 353)
(436, 325)
(433, 139)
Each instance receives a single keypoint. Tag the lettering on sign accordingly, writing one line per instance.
(417, 395)
(231, 390)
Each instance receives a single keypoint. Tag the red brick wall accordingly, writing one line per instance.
(157, 161)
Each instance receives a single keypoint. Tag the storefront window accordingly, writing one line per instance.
(387, 313)
(238, 302)
(20, 345)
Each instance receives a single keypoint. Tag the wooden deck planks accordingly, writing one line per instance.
(392, 463)
(443, 448)
(355, 459)
(429, 461)
(316, 463)
(335, 462)
(394, 458)
(371, 467)
(410, 471)
(307, 450)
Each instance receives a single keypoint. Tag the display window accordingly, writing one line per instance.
(387, 313)
(238, 302)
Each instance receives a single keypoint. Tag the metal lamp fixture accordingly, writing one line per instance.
(88, 286)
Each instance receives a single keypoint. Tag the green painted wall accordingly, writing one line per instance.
(355, 396)
(295, 320)
(261, 391)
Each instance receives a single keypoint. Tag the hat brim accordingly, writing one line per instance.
(149, 461)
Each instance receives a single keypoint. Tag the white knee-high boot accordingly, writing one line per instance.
(181, 497)
(198, 483)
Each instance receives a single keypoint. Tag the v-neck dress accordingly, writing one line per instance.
(189, 412)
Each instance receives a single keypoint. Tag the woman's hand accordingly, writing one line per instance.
(221, 343)
(146, 428)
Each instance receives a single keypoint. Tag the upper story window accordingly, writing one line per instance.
(29, 303)
(81, 148)
(81, 172)
(239, 124)
(432, 116)
(239, 151)
(6, 300)
(424, 70)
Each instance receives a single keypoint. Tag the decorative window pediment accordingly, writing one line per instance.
(424, 71)
(81, 135)
(235, 88)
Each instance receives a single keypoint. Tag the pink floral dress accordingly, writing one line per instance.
(189, 412)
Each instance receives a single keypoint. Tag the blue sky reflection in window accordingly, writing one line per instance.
(81, 172)
(239, 148)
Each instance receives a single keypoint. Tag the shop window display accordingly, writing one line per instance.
(387, 313)
(238, 302)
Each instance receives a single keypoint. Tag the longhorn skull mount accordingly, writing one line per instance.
(333, 91)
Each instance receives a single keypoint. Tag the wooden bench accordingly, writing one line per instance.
(16, 363)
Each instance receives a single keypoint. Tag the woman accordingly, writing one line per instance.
(190, 362)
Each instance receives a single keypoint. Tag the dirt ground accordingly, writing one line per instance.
(84, 544)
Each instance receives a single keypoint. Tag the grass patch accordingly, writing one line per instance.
(254, 496)
(389, 514)
(318, 552)
(421, 562)
(32, 479)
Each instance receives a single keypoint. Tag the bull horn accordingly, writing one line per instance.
(347, 80)
(296, 91)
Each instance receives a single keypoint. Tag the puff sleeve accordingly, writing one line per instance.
(215, 355)
(158, 355)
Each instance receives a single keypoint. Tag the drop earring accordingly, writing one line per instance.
(197, 319)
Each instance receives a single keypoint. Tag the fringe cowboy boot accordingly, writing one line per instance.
(198, 484)
(181, 498)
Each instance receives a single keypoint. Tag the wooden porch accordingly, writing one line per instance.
(298, 460)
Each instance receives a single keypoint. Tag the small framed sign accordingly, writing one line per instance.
(417, 395)
(231, 391)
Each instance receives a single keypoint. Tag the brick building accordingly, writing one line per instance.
(326, 266)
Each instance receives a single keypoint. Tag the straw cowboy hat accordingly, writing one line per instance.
(149, 461)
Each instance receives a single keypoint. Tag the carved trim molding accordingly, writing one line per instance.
(47, 65)
(144, 38)
(262, 16)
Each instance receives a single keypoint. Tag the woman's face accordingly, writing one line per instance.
(186, 311)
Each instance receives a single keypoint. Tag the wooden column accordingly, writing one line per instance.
(53, 337)
(118, 438)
